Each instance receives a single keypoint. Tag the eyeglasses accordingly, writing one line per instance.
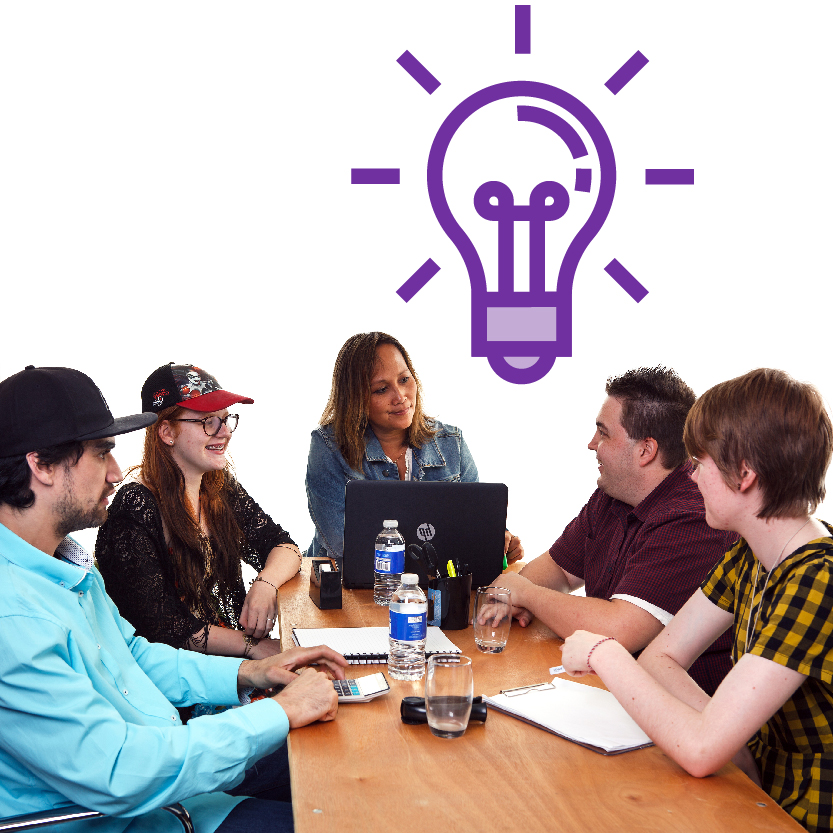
(211, 425)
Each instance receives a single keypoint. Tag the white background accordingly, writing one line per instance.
(175, 186)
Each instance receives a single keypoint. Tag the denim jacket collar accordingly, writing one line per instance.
(429, 456)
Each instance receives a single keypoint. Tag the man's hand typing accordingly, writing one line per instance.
(309, 697)
(280, 668)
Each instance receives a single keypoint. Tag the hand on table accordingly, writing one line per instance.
(260, 610)
(512, 547)
(280, 668)
(522, 616)
(310, 696)
(575, 650)
(516, 585)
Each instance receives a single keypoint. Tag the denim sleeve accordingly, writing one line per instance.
(468, 469)
(326, 479)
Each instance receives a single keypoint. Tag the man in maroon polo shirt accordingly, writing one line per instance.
(641, 545)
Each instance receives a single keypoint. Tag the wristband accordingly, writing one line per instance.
(590, 654)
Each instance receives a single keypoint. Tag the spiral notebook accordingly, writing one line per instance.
(366, 646)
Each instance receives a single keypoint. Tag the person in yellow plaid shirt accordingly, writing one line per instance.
(761, 445)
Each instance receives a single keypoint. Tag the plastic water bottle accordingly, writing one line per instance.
(390, 562)
(408, 627)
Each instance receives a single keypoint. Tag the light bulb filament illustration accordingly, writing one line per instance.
(548, 201)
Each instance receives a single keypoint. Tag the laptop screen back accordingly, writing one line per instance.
(466, 520)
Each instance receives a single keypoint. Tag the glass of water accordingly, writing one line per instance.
(449, 688)
(492, 618)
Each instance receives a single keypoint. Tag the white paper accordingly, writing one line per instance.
(578, 712)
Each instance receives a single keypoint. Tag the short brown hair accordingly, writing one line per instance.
(347, 406)
(776, 426)
(655, 403)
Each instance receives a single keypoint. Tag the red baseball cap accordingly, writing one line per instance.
(189, 386)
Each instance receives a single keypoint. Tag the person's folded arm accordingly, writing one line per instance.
(547, 573)
(259, 613)
(668, 658)
(271, 552)
(564, 613)
(699, 741)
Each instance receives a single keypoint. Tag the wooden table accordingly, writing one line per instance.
(365, 768)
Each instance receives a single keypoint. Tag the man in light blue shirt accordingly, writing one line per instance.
(87, 709)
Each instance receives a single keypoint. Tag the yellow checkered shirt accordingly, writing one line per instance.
(794, 749)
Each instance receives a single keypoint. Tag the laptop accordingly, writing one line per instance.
(466, 520)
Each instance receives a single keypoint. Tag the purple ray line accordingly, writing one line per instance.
(523, 30)
(626, 72)
(626, 280)
(418, 72)
(417, 280)
(669, 176)
(584, 176)
(374, 176)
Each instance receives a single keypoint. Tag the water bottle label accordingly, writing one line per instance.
(435, 606)
(391, 559)
(410, 625)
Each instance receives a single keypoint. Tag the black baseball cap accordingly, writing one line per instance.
(189, 386)
(45, 406)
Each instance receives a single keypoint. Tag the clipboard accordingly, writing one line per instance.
(588, 716)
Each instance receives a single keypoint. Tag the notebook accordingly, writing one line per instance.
(467, 520)
(589, 716)
(366, 646)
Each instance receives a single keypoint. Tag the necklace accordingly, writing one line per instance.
(407, 461)
(400, 456)
(766, 583)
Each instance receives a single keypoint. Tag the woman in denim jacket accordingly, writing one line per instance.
(374, 428)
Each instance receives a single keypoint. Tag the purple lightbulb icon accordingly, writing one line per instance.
(522, 332)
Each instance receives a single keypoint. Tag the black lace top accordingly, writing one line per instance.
(133, 558)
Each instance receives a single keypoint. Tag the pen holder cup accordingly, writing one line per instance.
(449, 601)
(325, 585)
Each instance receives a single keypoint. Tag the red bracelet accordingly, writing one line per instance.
(606, 639)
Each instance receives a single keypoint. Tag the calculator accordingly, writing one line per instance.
(361, 689)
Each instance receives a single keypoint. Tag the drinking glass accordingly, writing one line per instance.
(492, 618)
(448, 693)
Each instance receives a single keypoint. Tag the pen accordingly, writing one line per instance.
(558, 669)
(505, 562)
(452, 573)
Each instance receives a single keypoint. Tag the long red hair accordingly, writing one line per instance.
(198, 569)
